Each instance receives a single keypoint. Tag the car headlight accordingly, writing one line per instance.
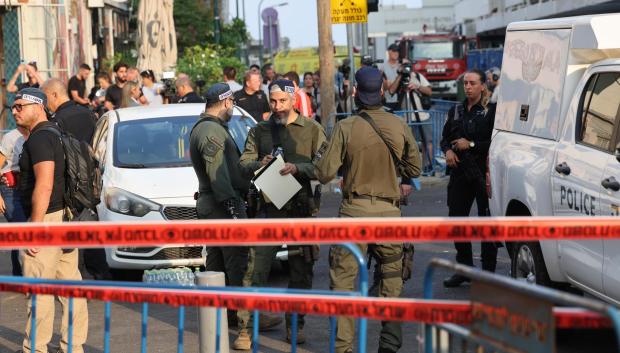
(123, 202)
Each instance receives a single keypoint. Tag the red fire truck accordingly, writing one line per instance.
(440, 57)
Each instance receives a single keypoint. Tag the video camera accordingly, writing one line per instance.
(367, 60)
(168, 78)
(405, 70)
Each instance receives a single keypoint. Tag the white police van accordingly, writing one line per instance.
(555, 147)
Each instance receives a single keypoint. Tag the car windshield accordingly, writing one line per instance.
(434, 50)
(164, 142)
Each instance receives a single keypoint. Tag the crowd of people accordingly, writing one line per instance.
(285, 107)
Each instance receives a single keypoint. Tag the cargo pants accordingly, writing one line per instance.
(232, 260)
(343, 270)
(259, 267)
(54, 263)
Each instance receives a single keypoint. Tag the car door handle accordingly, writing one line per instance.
(611, 183)
(562, 168)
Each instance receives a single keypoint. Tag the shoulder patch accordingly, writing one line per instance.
(214, 144)
(319, 154)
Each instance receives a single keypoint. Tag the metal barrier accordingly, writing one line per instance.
(507, 315)
(327, 303)
(362, 322)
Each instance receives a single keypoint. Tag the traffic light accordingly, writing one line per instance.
(373, 6)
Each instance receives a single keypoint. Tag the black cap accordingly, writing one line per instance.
(282, 86)
(394, 47)
(33, 95)
(218, 92)
(369, 82)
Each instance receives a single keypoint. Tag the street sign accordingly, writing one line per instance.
(349, 11)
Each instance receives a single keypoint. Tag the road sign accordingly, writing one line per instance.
(349, 11)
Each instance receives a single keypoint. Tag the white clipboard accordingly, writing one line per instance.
(279, 189)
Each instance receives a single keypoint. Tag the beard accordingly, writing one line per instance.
(281, 118)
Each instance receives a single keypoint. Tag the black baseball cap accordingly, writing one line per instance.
(218, 92)
(369, 82)
(394, 47)
(282, 86)
(33, 95)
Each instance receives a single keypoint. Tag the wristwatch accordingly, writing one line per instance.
(472, 144)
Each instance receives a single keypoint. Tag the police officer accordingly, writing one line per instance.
(215, 158)
(465, 141)
(370, 189)
(298, 139)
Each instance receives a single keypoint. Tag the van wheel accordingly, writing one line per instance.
(528, 265)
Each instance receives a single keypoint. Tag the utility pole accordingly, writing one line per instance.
(326, 64)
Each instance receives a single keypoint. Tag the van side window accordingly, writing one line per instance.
(600, 110)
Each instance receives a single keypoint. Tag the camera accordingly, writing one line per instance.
(405, 72)
(345, 70)
(367, 60)
(168, 79)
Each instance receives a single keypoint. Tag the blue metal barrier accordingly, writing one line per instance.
(468, 339)
(362, 322)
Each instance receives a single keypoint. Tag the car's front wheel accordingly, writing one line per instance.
(528, 265)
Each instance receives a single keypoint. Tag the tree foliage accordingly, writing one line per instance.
(207, 63)
(194, 24)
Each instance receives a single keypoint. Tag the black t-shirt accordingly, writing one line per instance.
(255, 104)
(41, 146)
(191, 97)
(26, 85)
(77, 120)
(75, 84)
(114, 94)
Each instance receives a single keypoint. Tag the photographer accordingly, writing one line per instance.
(398, 73)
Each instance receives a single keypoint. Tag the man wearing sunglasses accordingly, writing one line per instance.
(42, 183)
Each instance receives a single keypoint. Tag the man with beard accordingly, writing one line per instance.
(215, 158)
(114, 93)
(297, 139)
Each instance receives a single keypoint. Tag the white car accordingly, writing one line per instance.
(147, 175)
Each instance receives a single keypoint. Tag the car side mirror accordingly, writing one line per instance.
(617, 152)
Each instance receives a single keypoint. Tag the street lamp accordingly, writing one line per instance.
(260, 32)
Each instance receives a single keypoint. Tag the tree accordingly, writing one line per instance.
(194, 25)
(193, 22)
(207, 63)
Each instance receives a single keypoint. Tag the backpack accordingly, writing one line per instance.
(82, 191)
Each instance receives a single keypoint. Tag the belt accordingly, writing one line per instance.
(394, 202)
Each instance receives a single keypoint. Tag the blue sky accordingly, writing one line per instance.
(298, 19)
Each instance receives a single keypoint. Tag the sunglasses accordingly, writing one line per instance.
(18, 107)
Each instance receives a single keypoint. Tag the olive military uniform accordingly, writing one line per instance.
(215, 158)
(370, 189)
(300, 141)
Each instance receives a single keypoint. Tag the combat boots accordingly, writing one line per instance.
(243, 341)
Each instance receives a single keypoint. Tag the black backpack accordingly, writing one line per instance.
(82, 191)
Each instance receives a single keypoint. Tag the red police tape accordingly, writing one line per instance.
(412, 310)
(306, 231)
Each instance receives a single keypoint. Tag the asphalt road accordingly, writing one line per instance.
(162, 333)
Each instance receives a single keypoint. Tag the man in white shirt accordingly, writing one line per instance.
(230, 77)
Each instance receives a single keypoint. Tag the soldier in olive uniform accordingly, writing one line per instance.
(370, 189)
(298, 138)
(215, 158)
